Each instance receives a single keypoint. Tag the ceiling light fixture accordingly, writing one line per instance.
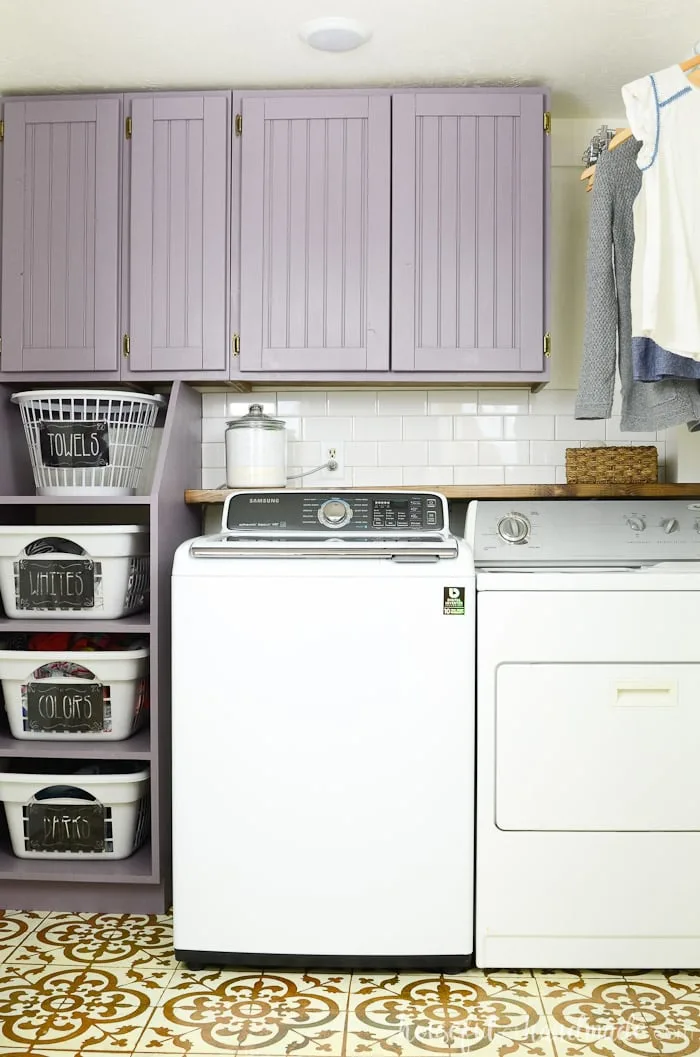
(334, 34)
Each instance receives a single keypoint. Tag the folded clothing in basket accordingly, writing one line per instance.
(50, 641)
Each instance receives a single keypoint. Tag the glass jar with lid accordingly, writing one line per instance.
(256, 451)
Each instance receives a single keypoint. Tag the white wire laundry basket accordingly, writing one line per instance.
(87, 441)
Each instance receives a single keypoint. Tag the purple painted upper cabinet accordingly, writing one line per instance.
(60, 248)
(468, 232)
(315, 218)
(178, 224)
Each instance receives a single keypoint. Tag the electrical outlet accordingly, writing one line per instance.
(331, 450)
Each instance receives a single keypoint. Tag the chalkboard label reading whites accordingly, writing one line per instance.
(65, 708)
(74, 444)
(56, 583)
(66, 828)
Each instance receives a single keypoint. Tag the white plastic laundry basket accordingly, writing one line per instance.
(74, 695)
(57, 810)
(98, 572)
(87, 441)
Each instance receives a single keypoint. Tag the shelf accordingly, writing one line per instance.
(494, 491)
(134, 870)
(75, 500)
(137, 623)
(137, 747)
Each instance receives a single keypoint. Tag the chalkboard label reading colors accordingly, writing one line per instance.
(65, 708)
(55, 583)
(65, 828)
(74, 444)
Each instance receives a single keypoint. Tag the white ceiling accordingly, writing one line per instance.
(584, 49)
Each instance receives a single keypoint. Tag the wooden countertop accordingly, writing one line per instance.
(493, 491)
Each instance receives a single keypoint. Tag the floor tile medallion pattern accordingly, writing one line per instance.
(73, 984)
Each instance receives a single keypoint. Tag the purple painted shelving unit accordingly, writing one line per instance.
(141, 883)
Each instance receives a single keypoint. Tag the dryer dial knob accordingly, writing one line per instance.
(514, 528)
(335, 513)
(638, 524)
(670, 525)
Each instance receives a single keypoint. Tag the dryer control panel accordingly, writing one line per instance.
(345, 513)
(583, 532)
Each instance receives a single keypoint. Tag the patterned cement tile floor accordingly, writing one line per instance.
(106, 984)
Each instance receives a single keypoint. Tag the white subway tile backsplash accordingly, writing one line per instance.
(305, 453)
(504, 452)
(503, 402)
(613, 432)
(213, 430)
(238, 404)
(402, 402)
(378, 428)
(342, 403)
(553, 402)
(427, 427)
(531, 474)
(213, 405)
(441, 436)
(301, 403)
(453, 453)
(550, 452)
(213, 456)
(403, 453)
(452, 402)
(569, 428)
(427, 475)
(326, 428)
(528, 427)
(479, 475)
(478, 427)
(368, 476)
(361, 453)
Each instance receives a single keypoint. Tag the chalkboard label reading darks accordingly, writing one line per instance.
(66, 828)
(74, 444)
(55, 583)
(63, 708)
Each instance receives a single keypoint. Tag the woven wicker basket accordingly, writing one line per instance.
(638, 464)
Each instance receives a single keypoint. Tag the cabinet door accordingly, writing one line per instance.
(468, 232)
(178, 233)
(315, 220)
(60, 245)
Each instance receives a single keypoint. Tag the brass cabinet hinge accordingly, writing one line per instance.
(239, 124)
(2, 130)
(126, 346)
(547, 122)
(547, 344)
(236, 345)
(0, 350)
(128, 128)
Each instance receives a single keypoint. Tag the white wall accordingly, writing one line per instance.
(465, 436)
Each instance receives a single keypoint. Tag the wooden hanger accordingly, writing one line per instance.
(624, 134)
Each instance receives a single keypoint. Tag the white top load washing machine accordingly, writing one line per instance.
(323, 734)
(588, 719)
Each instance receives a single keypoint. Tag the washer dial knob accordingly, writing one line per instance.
(514, 528)
(335, 513)
(670, 525)
(637, 524)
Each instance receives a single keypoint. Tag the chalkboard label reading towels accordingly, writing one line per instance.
(74, 444)
(55, 583)
(65, 708)
(65, 828)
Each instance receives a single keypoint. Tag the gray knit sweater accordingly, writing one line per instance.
(608, 332)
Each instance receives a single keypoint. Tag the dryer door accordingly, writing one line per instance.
(588, 742)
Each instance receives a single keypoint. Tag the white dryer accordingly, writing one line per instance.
(323, 734)
(588, 721)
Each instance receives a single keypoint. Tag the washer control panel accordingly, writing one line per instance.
(281, 512)
(586, 532)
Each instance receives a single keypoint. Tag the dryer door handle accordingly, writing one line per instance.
(646, 695)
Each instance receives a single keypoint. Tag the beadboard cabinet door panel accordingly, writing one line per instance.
(315, 233)
(178, 233)
(60, 246)
(468, 232)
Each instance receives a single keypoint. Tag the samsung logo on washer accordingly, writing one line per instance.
(263, 500)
